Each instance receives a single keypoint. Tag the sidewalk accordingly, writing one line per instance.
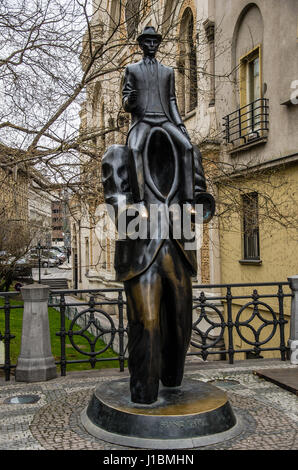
(269, 412)
(62, 271)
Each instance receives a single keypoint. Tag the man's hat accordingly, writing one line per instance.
(149, 31)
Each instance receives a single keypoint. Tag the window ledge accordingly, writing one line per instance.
(189, 115)
(243, 147)
(252, 262)
(95, 275)
(91, 274)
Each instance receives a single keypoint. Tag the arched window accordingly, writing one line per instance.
(132, 17)
(96, 107)
(115, 15)
(247, 45)
(187, 65)
(247, 58)
(102, 125)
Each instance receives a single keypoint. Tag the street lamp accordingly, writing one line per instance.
(39, 248)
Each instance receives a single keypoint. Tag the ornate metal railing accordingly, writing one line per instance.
(232, 323)
(93, 319)
(220, 322)
(247, 124)
(228, 325)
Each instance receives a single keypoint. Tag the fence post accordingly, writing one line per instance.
(293, 341)
(36, 362)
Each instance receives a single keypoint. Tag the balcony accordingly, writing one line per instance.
(248, 125)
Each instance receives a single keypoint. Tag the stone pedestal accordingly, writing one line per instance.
(36, 362)
(192, 415)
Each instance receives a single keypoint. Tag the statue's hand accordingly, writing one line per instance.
(184, 131)
(132, 97)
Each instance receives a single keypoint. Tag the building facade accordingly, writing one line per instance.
(40, 213)
(14, 195)
(60, 218)
(256, 90)
(25, 210)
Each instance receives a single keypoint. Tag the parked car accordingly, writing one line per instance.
(46, 261)
(61, 256)
(54, 254)
(23, 267)
(61, 249)
(50, 262)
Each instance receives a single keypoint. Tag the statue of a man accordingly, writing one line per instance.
(149, 95)
(159, 167)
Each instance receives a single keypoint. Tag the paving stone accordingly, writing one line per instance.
(269, 413)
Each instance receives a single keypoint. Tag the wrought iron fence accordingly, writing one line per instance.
(248, 123)
(92, 318)
(6, 333)
(234, 324)
(217, 323)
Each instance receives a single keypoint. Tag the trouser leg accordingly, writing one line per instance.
(136, 142)
(143, 305)
(176, 317)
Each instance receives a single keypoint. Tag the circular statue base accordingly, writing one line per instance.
(192, 415)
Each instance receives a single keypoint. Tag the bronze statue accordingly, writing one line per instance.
(158, 167)
(149, 95)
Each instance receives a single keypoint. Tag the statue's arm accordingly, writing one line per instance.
(173, 102)
(201, 195)
(129, 94)
(174, 108)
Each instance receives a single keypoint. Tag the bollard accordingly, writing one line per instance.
(293, 341)
(294, 352)
(36, 362)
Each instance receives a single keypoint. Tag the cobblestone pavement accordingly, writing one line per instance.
(269, 413)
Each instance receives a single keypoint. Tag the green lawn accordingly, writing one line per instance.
(54, 320)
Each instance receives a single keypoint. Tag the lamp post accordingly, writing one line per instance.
(39, 248)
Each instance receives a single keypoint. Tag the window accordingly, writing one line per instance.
(187, 65)
(115, 16)
(87, 263)
(253, 69)
(250, 92)
(96, 112)
(251, 245)
(210, 33)
(132, 14)
(103, 137)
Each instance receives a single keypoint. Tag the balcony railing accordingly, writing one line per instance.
(247, 124)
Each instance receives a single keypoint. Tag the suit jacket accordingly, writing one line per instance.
(136, 78)
(132, 257)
